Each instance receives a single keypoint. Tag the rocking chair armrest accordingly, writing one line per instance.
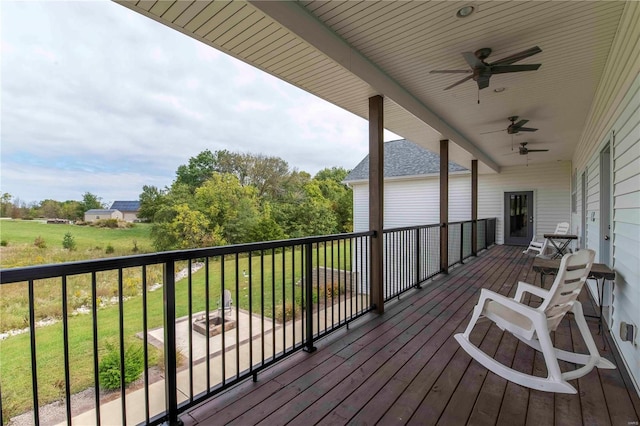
(488, 295)
(528, 288)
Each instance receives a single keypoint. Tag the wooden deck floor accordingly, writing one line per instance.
(406, 367)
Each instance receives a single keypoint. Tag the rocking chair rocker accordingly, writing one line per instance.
(533, 325)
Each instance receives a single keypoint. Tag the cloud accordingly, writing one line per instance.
(98, 98)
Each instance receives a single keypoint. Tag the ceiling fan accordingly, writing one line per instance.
(482, 71)
(523, 150)
(514, 127)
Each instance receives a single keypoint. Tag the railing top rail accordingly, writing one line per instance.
(432, 225)
(37, 272)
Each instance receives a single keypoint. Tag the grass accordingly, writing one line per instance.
(277, 283)
(91, 242)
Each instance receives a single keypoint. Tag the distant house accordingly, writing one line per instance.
(97, 214)
(129, 209)
(411, 188)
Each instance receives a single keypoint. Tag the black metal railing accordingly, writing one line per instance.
(219, 316)
(284, 294)
(412, 254)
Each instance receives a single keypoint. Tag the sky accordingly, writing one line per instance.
(97, 98)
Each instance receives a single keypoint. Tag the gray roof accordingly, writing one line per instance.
(126, 206)
(100, 211)
(403, 158)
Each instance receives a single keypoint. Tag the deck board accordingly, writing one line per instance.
(405, 367)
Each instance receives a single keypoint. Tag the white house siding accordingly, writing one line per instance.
(624, 136)
(551, 186)
(409, 202)
(616, 111)
(130, 216)
(413, 201)
(93, 217)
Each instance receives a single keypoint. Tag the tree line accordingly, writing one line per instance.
(15, 208)
(225, 197)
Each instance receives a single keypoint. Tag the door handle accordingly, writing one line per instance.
(606, 238)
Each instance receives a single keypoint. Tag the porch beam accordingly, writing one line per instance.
(474, 207)
(299, 21)
(376, 197)
(444, 206)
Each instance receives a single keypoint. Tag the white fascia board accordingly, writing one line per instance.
(408, 177)
(296, 19)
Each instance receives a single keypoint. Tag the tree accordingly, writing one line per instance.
(340, 195)
(199, 169)
(50, 209)
(89, 201)
(151, 199)
(185, 228)
(5, 205)
(267, 174)
(68, 242)
(226, 203)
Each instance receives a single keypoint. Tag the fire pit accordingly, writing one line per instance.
(214, 325)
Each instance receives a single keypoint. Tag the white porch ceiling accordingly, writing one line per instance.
(347, 51)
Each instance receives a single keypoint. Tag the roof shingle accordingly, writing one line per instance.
(403, 158)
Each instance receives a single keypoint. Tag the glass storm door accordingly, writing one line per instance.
(518, 218)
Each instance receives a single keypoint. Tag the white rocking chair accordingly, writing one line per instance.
(533, 325)
(541, 246)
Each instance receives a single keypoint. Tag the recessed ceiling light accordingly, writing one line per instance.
(499, 89)
(465, 11)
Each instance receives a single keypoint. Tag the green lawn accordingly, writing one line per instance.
(91, 242)
(15, 367)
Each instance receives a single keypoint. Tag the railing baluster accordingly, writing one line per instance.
(94, 335)
(308, 281)
(65, 336)
(262, 304)
(273, 302)
(223, 315)
(34, 367)
(145, 343)
(189, 328)
(207, 309)
(170, 362)
(123, 399)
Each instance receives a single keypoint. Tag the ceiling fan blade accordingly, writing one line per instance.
(501, 69)
(520, 123)
(537, 150)
(527, 129)
(459, 82)
(495, 131)
(517, 56)
(450, 72)
(472, 60)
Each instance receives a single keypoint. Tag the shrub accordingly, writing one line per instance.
(4, 243)
(109, 368)
(109, 249)
(40, 242)
(287, 314)
(68, 242)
